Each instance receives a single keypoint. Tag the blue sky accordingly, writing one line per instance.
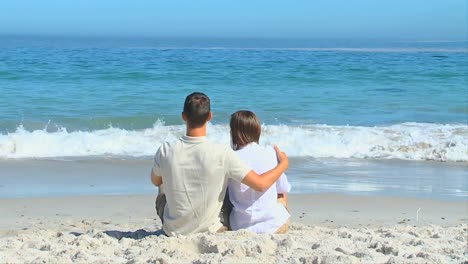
(344, 19)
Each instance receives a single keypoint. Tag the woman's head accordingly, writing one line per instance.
(245, 129)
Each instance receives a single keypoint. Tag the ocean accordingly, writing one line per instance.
(321, 101)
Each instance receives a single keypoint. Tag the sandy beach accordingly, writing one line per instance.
(326, 228)
(103, 212)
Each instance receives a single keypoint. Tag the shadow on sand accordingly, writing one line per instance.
(139, 234)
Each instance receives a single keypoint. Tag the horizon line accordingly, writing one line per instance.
(141, 36)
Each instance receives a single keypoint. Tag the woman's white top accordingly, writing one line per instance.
(258, 212)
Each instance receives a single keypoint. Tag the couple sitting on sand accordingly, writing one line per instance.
(193, 174)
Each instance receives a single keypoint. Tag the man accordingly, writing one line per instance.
(193, 174)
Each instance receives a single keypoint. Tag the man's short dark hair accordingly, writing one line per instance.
(197, 109)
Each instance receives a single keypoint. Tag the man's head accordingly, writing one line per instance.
(197, 110)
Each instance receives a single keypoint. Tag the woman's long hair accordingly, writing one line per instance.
(245, 129)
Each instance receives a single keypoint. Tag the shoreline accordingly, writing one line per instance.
(392, 178)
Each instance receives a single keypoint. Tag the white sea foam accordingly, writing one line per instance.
(410, 141)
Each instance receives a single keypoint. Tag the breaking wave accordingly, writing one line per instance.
(409, 141)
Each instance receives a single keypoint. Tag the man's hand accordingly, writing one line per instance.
(282, 158)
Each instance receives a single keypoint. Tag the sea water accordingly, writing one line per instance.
(317, 99)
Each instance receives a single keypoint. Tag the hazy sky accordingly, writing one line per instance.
(424, 20)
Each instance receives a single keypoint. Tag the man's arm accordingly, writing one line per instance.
(264, 181)
(155, 179)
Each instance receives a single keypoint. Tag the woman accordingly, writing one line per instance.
(260, 212)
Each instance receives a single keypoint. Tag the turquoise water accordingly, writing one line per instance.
(345, 112)
(55, 87)
(78, 86)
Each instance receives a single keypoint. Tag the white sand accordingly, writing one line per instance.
(122, 229)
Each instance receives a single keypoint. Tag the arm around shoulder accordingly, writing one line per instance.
(264, 181)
